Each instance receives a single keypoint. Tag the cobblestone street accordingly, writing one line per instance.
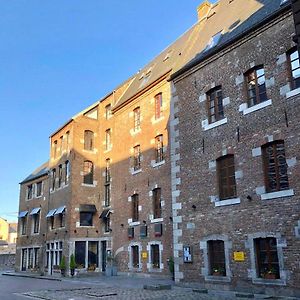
(113, 293)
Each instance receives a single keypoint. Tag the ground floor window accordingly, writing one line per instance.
(93, 255)
(87, 254)
(54, 253)
(216, 257)
(30, 258)
(267, 258)
(155, 259)
(80, 254)
(135, 256)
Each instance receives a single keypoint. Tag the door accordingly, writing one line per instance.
(103, 255)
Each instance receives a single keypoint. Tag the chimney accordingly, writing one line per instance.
(203, 9)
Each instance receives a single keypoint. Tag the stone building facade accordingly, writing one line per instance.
(194, 157)
(236, 123)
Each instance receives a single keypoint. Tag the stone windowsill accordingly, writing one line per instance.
(134, 223)
(158, 220)
(257, 107)
(158, 120)
(155, 270)
(89, 151)
(157, 164)
(227, 202)
(292, 93)
(269, 281)
(136, 172)
(88, 185)
(218, 278)
(279, 194)
(135, 131)
(108, 150)
(215, 124)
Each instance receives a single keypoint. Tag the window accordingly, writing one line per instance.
(88, 172)
(155, 261)
(61, 142)
(61, 219)
(226, 177)
(55, 149)
(107, 223)
(108, 111)
(293, 59)
(59, 175)
(215, 105)
(80, 248)
(267, 258)
(107, 139)
(159, 150)
(29, 191)
(51, 222)
(135, 256)
(136, 158)
(135, 207)
(67, 140)
(216, 257)
(67, 172)
(86, 218)
(275, 167)
(23, 225)
(39, 186)
(156, 203)
(53, 178)
(158, 106)
(137, 119)
(107, 183)
(88, 140)
(256, 86)
(36, 222)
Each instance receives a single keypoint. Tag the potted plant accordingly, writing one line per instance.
(218, 271)
(72, 264)
(62, 266)
(171, 266)
(270, 273)
(111, 268)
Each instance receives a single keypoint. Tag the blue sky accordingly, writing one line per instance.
(59, 56)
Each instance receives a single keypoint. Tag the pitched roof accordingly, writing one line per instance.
(234, 19)
(39, 172)
(231, 18)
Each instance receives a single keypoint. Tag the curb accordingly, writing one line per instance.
(31, 276)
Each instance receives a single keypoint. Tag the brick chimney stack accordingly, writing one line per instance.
(203, 9)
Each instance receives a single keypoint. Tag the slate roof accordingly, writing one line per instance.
(235, 19)
(232, 18)
(39, 172)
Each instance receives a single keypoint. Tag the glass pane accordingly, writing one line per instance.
(294, 55)
(80, 254)
(260, 72)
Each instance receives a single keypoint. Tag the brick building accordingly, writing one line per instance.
(236, 118)
(107, 185)
(194, 157)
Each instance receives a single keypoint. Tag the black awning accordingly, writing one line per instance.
(105, 213)
(87, 208)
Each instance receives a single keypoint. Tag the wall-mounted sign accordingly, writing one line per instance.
(144, 254)
(238, 256)
(187, 254)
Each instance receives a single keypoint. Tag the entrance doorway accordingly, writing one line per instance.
(103, 255)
